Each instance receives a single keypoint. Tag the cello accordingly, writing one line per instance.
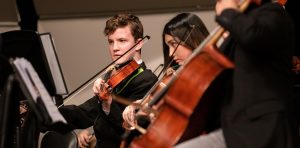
(184, 96)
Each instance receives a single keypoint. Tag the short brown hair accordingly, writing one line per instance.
(122, 20)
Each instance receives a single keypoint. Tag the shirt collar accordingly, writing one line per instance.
(140, 61)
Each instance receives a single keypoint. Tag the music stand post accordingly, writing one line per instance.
(9, 114)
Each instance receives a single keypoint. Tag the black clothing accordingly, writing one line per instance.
(108, 128)
(291, 8)
(256, 111)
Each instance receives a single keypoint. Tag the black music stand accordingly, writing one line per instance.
(42, 109)
(39, 49)
(28, 44)
(8, 113)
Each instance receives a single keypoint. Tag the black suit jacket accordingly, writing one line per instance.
(108, 128)
(255, 112)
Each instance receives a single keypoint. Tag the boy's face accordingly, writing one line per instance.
(119, 42)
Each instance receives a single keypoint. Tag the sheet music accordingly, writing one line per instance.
(55, 70)
(36, 88)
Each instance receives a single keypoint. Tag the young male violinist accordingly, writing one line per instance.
(123, 31)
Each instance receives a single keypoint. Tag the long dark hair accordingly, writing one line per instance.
(180, 27)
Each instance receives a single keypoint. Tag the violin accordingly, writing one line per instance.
(170, 72)
(118, 76)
